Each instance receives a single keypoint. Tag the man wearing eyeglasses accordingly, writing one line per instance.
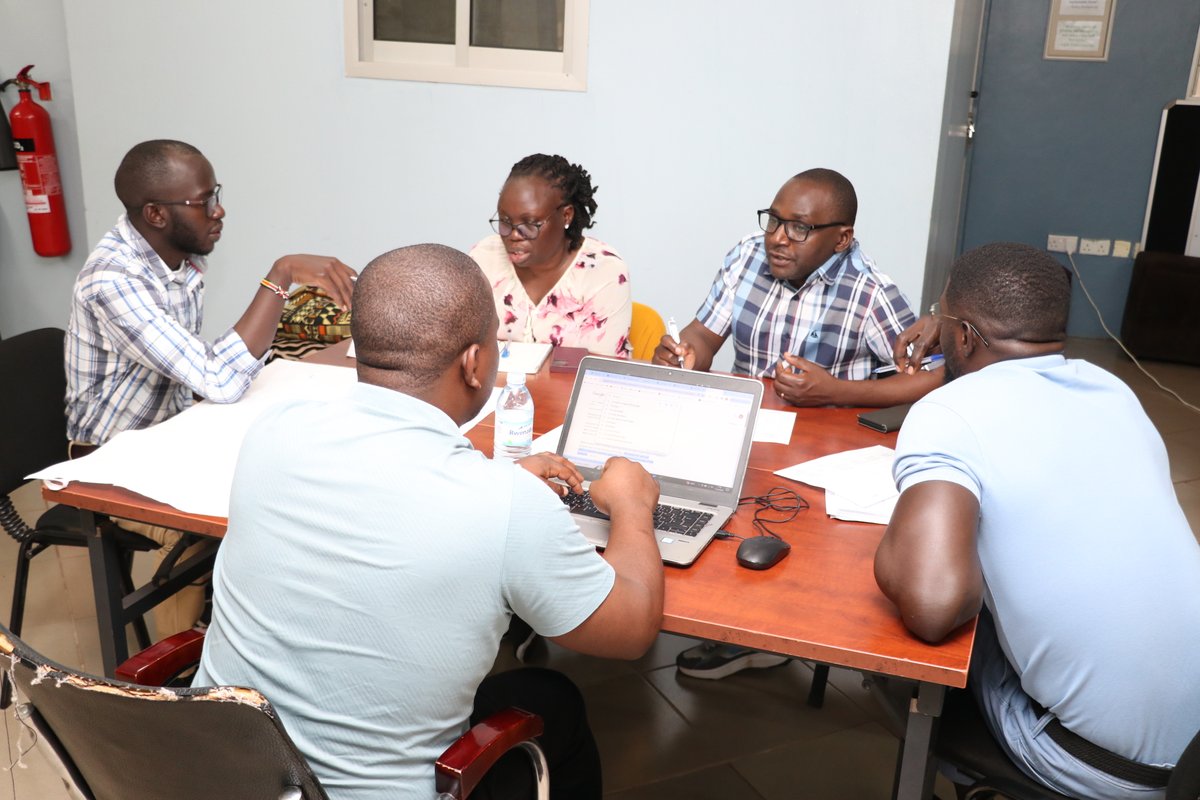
(1036, 493)
(134, 356)
(804, 305)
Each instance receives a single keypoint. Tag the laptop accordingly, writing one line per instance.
(691, 430)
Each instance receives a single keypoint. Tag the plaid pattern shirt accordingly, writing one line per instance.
(133, 352)
(845, 317)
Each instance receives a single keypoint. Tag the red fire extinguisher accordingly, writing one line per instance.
(33, 141)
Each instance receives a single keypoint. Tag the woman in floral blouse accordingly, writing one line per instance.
(550, 282)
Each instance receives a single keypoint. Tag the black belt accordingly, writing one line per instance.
(1104, 760)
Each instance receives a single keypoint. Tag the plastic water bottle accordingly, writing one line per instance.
(514, 420)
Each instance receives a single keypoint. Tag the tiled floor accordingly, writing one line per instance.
(749, 737)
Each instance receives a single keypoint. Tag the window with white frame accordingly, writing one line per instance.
(537, 44)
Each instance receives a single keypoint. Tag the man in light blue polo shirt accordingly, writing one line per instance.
(1035, 487)
(374, 558)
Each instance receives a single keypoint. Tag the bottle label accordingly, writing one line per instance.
(515, 430)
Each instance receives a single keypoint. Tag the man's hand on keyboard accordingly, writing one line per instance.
(550, 465)
(624, 485)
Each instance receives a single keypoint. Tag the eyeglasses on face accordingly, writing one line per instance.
(796, 230)
(528, 230)
(209, 203)
(935, 310)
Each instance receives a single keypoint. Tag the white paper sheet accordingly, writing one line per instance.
(858, 483)
(547, 442)
(524, 357)
(188, 461)
(774, 426)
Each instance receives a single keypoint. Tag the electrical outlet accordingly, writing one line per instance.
(1057, 243)
(1094, 247)
(1121, 248)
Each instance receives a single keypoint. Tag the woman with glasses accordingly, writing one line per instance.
(550, 282)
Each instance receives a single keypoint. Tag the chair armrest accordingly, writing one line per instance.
(163, 660)
(464, 763)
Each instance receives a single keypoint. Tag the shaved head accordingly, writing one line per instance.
(146, 168)
(841, 191)
(416, 309)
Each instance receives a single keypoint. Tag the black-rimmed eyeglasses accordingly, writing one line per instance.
(796, 230)
(528, 230)
(209, 203)
(935, 310)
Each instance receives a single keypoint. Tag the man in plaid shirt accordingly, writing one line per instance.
(808, 308)
(134, 355)
(805, 305)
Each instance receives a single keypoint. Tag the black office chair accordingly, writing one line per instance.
(33, 435)
(120, 740)
(964, 740)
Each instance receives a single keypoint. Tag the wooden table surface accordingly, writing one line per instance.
(820, 603)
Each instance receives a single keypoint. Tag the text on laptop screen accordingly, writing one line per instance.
(675, 430)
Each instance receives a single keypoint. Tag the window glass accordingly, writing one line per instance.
(429, 21)
(534, 44)
(518, 24)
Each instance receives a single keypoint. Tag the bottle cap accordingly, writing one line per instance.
(516, 378)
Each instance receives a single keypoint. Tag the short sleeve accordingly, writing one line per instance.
(553, 577)
(890, 314)
(716, 313)
(937, 444)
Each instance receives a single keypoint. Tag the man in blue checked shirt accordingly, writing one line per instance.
(134, 355)
(808, 308)
(805, 305)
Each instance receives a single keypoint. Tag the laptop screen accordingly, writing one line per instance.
(688, 433)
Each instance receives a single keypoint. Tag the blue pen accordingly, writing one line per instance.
(927, 363)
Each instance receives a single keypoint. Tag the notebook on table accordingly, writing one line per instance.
(691, 430)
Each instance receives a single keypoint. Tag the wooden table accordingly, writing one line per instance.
(820, 603)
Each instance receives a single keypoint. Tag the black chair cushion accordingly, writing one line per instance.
(964, 740)
(33, 423)
(60, 525)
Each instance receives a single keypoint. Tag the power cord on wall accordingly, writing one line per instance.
(1121, 344)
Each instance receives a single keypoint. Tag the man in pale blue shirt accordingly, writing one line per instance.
(1035, 487)
(365, 592)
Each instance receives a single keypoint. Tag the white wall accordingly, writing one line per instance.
(35, 291)
(694, 116)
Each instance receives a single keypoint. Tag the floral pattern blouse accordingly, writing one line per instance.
(590, 306)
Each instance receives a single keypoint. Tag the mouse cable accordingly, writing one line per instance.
(779, 506)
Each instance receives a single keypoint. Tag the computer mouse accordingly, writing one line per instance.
(762, 552)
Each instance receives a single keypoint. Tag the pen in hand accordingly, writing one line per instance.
(927, 363)
(673, 329)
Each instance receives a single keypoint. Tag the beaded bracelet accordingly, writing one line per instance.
(276, 288)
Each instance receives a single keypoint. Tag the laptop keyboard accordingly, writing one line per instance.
(669, 519)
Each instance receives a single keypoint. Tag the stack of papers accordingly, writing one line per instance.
(203, 441)
(526, 357)
(858, 484)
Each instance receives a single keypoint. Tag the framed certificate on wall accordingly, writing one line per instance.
(1079, 29)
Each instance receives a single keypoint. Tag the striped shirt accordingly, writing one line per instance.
(845, 317)
(133, 352)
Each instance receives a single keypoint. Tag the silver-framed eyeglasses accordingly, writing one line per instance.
(528, 230)
(209, 203)
(796, 230)
(935, 310)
